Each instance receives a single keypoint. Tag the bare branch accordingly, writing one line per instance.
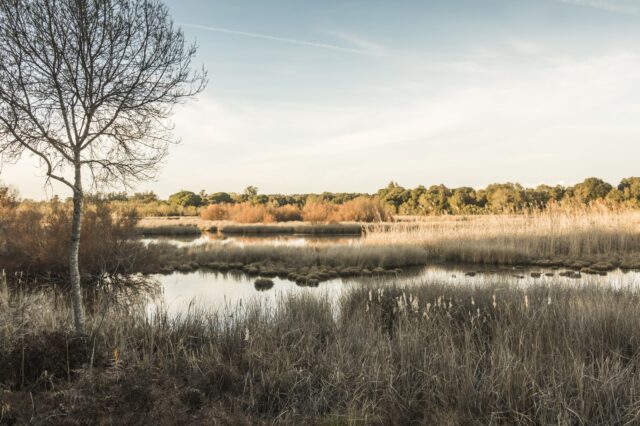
(92, 83)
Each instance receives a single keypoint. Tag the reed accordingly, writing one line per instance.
(562, 235)
(300, 229)
(163, 257)
(432, 354)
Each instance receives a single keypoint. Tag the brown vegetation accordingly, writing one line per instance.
(34, 240)
(421, 355)
(281, 260)
(563, 235)
(360, 209)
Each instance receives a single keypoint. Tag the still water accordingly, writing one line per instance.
(270, 240)
(222, 291)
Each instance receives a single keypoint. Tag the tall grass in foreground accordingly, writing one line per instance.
(426, 355)
(556, 233)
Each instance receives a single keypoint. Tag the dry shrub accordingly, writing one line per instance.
(215, 212)
(287, 213)
(318, 211)
(250, 213)
(35, 239)
(361, 209)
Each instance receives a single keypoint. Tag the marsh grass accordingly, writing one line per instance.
(164, 257)
(432, 354)
(192, 226)
(297, 229)
(593, 240)
(591, 234)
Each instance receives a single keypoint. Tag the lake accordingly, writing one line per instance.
(224, 291)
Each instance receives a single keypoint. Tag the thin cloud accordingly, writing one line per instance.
(283, 39)
(611, 6)
(355, 40)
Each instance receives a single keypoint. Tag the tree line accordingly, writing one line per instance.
(496, 198)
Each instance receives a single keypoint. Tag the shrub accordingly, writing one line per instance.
(287, 213)
(35, 238)
(250, 213)
(186, 199)
(215, 212)
(361, 209)
(318, 211)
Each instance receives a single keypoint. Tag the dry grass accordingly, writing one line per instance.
(34, 239)
(560, 235)
(362, 209)
(194, 225)
(300, 229)
(421, 355)
(598, 239)
(281, 260)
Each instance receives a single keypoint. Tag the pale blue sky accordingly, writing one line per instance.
(311, 96)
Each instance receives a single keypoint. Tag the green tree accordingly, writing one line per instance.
(186, 199)
(220, 198)
(435, 200)
(8, 196)
(144, 197)
(463, 201)
(505, 197)
(591, 189)
(394, 195)
(630, 188)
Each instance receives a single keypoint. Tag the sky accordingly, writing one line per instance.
(348, 95)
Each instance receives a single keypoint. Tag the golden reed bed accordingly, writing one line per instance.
(596, 233)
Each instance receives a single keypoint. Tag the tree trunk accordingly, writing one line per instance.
(4, 291)
(74, 249)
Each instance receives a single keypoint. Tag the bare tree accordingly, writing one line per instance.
(87, 86)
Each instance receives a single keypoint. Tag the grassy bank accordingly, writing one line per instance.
(193, 226)
(426, 355)
(315, 263)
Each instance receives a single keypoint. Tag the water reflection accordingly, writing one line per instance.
(272, 240)
(226, 290)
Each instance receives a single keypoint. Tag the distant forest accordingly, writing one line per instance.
(395, 199)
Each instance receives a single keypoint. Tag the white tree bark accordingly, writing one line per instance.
(74, 266)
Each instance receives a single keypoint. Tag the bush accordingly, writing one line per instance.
(361, 209)
(215, 212)
(35, 239)
(250, 213)
(318, 211)
(287, 213)
(186, 199)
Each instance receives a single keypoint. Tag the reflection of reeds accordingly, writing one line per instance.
(169, 230)
(191, 226)
(415, 355)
